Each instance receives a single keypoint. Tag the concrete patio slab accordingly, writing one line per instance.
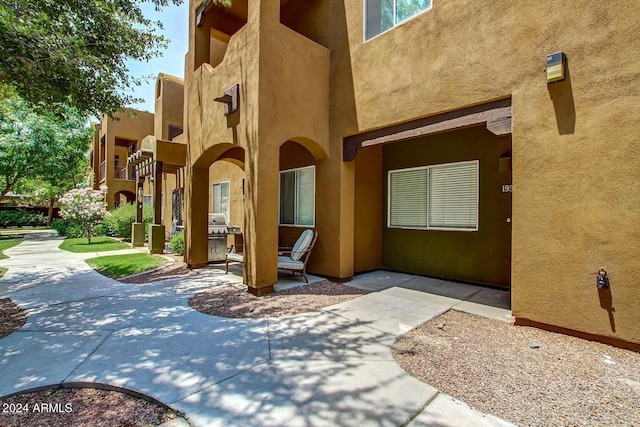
(30, 359)
(310, 393)
(487, 311)
(285, 279)
(378, 280)
(388, 313)
(329, 367)
(325, 336)
(447, 411)
(441, 287)
(420, 296)
(58, 286)
(174, 361)
(494, 297)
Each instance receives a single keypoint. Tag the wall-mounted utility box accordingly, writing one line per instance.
(556, 67)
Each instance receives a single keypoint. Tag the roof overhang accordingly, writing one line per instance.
(495, 115)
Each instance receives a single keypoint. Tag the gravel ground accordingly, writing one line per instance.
(81, 407)
(12, 317)
(492, 366)
(230, 301)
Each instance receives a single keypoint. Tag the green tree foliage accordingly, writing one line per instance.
(73, 52)
(41, 146)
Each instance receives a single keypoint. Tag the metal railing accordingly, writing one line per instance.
(123, 174)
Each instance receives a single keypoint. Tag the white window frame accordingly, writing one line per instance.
(295, 204)
(428, 227)
(228, 213)
(395, 24)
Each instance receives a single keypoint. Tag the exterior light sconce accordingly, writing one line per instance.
(230, 99)
(504, 164)
(556, 67)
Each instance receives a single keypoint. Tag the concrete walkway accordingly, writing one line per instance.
(331, 367)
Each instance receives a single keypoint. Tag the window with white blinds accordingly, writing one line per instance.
(298, 196)
(434, 197)
(220, 200)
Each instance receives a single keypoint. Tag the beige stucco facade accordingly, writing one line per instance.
(133, 131)
(308, 81)
(115, 139)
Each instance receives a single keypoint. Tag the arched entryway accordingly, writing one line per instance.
(122, 197)
(214, 186)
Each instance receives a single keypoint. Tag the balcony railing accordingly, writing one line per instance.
(123, 174)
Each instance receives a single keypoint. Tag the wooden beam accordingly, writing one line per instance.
(496, 115)
(500, 126)
(157, 193)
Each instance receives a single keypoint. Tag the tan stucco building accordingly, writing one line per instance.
(134, 144)
(429, 139)
(114, 141)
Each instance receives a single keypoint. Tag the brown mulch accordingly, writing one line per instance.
(175, 270)
(229, 301)
(12, 317)
(81, 407)
(524, 375)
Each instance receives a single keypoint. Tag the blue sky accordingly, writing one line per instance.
(175, 20)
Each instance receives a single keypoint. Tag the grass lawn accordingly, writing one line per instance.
(116, 266)
(6, 244)
(98, 244)
(2, 271)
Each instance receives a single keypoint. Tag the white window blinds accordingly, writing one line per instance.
(453, 196)
(434, 197)
(408, 198)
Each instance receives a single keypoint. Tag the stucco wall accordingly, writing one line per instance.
(132, 125)
(481, 256)
(575, 157)
(368, 206)
(169, 106)
(227, 171)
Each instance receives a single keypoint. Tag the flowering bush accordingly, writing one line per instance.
(84, 208)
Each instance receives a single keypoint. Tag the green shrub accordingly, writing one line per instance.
(118, 223)
(65, 228)
(21, 218)
(177, 244)
(100, 230)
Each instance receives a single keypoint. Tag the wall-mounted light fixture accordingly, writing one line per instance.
(230, 99)
(504, 164)
(556, 67)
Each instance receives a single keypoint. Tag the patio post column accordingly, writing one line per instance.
(156, 230)
(137, 228)
(196, 207)
(261, 217)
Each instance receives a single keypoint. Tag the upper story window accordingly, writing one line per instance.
(382, 15)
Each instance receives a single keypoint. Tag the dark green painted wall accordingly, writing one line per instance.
(482, 256)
